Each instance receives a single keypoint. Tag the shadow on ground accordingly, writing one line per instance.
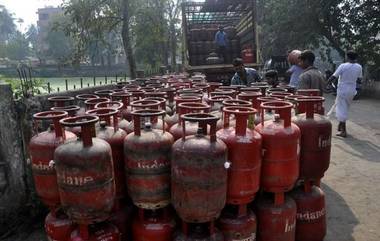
(360, 148)
(341, 221)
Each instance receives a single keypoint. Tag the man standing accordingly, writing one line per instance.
(243, 76)
(349, 74)
(311, 78)
(221, 43)
(295, 71)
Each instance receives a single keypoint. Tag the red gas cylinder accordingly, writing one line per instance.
(85, 173)
(162, 103)
(276, 220)
(248, 56)
(96, 232)
(244, 153)
(252, 97)
(280, 95)
(219, 92)
(90, 103)
(268, 114)
(121, 217)
(147, 89)
(290, 89)
(126, 110)
(271, 90)
(309, 92)
(136, 94)
(147, 162)
(191, 127)
(171, 120)
(114, 136)
(238, 223)
(199, 232)
(81, 99)
(61, 101)
(146, 104)
(234, 102)
(153, 225)
(281, 148)
(213, 86)
(262, 85)
(199, 172)
(315, 139)
(72, 110)
(104, 93)
(311, 213)
(58, 226)
(170, 93)
(41, 149)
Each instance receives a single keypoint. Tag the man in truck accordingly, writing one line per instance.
(243, 75)
(221, 43)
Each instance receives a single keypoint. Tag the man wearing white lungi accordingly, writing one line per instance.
(349, 74)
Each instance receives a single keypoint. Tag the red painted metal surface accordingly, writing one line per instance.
(61, 101)
(311, 213)
(104, 93)
(58, 226)
(276, 220)
(121, 217)
(172, 120)
(113, 135)
(170, 93)
(219, 92)
(81, 99)
(191, 127)
(85, 173)
(244, 153)
(198, 172)
(280, 95)
(72, 110)
(252, 97)
(309, 92)
(90, 103)
(162, 103)
(153, 225)
(238, 223)
(213, 86)
(237, 102)
(96, 232)
(125, 111)
(147, 162)
(262, 85)
(199, 232)
(268, 114)
(146, 104)
(248, 56)
(41, 148)
(281, 148)
(315, 139)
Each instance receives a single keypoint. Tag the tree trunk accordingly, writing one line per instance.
(173, 45)
(127, 40)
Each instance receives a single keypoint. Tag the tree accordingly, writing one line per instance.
(7, 25)
(341, 24)
(173, 11)
(60, 46)
(96, 19)
(17, 47)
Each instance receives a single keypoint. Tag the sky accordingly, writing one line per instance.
(27, 10)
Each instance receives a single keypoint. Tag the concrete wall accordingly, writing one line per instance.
(13, 187)
(17, 193)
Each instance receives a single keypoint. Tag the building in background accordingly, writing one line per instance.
(45, 17)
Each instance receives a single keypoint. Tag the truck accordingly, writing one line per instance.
(200, 22)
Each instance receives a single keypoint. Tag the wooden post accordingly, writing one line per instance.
(67, 85)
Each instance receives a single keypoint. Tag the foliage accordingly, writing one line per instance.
(17, 47)
(60, 46)
(300, 24)
(7, 25)
(35, 86)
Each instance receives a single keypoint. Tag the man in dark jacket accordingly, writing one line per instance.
(311, 78)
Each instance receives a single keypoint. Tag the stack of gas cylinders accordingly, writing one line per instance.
(175, 158)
